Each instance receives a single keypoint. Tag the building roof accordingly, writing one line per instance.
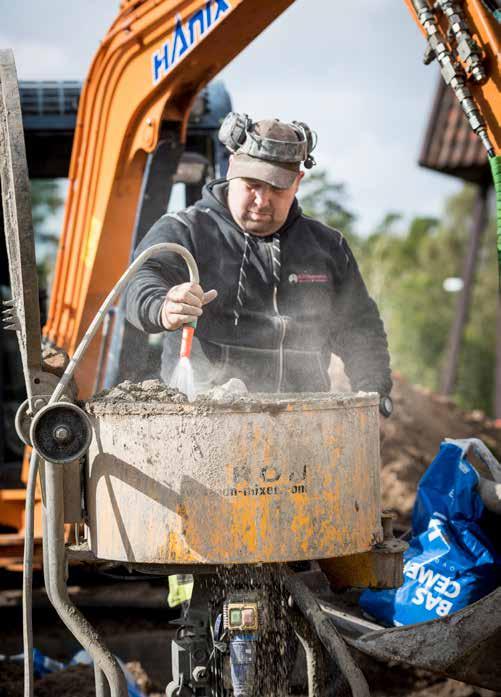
(450, 146)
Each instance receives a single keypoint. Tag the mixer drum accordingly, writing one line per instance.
(264, 478)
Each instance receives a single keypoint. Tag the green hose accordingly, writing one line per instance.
(495, 163)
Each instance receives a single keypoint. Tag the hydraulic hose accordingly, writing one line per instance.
(455, 77)
(29, 527)
(495, 163)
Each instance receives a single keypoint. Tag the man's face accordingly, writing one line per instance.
(259, 208)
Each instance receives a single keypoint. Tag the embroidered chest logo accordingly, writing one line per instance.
(295, 278)
(186, 35)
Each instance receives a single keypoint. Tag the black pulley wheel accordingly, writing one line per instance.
(61, 433)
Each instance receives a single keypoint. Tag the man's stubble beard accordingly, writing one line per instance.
(260, 228)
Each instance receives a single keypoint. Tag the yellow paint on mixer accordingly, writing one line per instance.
(262, 480)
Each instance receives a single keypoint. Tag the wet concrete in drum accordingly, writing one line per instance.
(149, 394)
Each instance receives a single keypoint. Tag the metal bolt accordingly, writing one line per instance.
(39, 403)
(62, 434)
(387, 517)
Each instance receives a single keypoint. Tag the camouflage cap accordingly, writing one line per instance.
(272, 153)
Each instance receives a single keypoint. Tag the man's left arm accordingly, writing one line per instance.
(358, 336)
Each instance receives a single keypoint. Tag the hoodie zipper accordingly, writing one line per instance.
(224, 213)
(283, 323)
(283, 329)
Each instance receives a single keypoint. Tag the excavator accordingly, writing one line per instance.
(158, 508)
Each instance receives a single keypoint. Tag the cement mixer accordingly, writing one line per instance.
(250, 481)
(243, 493)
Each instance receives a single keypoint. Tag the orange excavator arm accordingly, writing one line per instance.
(150, 66)
(486, 33)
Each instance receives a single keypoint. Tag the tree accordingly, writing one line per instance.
(406, 274)
(46, 202)
(405, 271)
(325, 200)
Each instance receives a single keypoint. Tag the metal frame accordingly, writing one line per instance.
(25, 320)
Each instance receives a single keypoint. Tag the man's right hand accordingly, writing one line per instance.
(183, 304)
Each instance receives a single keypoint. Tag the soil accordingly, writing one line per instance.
(411, 438)
(74, 681)
(393, 680)
(11, 679)
(384, 681)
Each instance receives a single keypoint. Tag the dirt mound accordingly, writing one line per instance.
(74, 681)
(11, 679)
(384, 681)
(411, 438)
(394, 680)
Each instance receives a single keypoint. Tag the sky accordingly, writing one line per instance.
(352, 70)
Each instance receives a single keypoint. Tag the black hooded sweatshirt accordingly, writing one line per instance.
(284, 336)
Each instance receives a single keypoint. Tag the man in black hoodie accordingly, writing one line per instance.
(279, 292)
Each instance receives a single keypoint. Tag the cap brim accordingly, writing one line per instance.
(278, 174)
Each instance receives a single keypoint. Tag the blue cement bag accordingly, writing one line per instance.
(43, 665)
(451, 561)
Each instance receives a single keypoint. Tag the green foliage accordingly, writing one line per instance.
(478, 356)
(325, 200)
(47, 202)
(404, 267)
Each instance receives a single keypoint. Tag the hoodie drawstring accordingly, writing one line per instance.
(275, 255)
(242, 278)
